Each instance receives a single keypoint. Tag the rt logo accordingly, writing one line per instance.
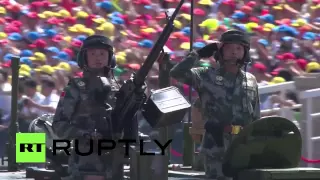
(30, 147)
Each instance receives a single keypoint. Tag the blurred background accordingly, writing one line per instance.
(47, 34)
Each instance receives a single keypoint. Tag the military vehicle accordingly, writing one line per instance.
(267, 149)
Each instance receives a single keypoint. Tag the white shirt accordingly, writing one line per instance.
(37, 97)
(38, 29)
(267, 104)
(13, 2)
(5, 102)
(5, 98)
(6, 87)
(52, 100)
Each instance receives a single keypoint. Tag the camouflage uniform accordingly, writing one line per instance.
(226, 99)
(78, 113)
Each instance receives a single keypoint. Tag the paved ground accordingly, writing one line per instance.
(12, 175)
(4, 175)
(21, 176)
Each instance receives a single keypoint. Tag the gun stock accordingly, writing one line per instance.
(129, 96)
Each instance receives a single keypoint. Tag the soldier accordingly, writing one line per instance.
(229, 95)
(85, 109)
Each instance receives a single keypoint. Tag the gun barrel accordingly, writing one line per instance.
(155, 51)
(127, 98)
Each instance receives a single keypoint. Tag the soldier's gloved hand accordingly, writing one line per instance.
(208, 50)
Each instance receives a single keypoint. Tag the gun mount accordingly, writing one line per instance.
(165, 107)
(129, 97)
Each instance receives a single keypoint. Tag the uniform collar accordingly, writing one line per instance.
(221, 71)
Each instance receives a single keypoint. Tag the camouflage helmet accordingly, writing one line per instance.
(238, 37)
(235, 36)
(95, 41)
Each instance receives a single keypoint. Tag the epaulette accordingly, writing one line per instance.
(205, 68)
(250, 76)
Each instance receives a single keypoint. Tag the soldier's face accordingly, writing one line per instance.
(233, 52)
(97, 58)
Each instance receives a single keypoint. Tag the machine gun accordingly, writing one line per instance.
(130, 96)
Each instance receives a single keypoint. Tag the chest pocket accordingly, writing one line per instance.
(82, 109)
(90, 114)
(81, 85)
(213, 98)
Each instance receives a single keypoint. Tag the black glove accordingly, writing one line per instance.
(208, 50)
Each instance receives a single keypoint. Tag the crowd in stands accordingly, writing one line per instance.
(47, 34)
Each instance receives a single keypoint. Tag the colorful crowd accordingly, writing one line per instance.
(47, 34)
